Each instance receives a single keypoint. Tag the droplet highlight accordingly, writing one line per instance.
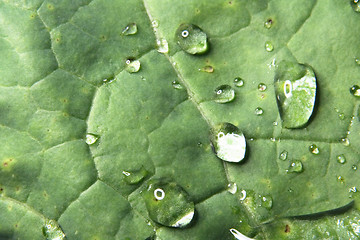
(314, 149)
(228, 142)
(132, 66)
(355, 91)
(91, 138)
(295, 166)
(238, 82)
(295, 90)
(355, 4)
(130, 29)
(224, 94)
(259, 111)
(168, 204)
(191, 39)
(269, 47)
(52, 231)
(341, 159)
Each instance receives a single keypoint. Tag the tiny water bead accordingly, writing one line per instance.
(228, 142)
(341, 159)
(91, 138)
(345, 141)
(168, 204)
(355, 91)
(268, 23)
(259, 111)
(132, 66)
(266, 201)
(355, 4)
(224, 94)
(340, 179)
(191, 39)
(283, 155)
(176, 85)
(314, 149)
(135, 176)
(295, 90)
(162, 45)
(52, 231)
(262, 87)
(354, 167)
(269, 46)
(130, 29)
(238, 82)
(295, 166)
(208, 69)
(232, 188)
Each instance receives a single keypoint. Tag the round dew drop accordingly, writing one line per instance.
(314, 149)
(269, 46)
(355, 91)
(224, 94)
(268, 23)
(238, 82)
(191, 39)
(162, 45)
(283, 155)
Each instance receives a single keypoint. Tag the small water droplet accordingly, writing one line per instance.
(191, 39)
(91, 138)
(208, 69)
(266, 201)
(52, 231)
(355, 90)
(341, 116)
(136, 176)
(295, 166)
(262, 87)
(340, 179)
(341, 158)
(132, 66)
(275, 123)
(354, 167)
(168, 204)
(130, 29)
(283, 155)
(355, 4)
(238, 82)
(268, 23)
(345, 141)
(162, 45)
(232, 188)
(155, 23)
(269, 46)
(259, 111)
(295, 90)
(314, 149)
(176, 85)
(228, 142)
(224, 94)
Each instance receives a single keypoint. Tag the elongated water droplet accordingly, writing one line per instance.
(232, 188)
(295, 89)
(224, 94)
(191, 39)
(283, 155)
(238, 235)
(130, 29)
(228, 142)
(168, 204)
(162, 45)
(259, 111)
(269, 46)
(91, 138)
(208, 69)
(176, 85)
(295, 166)
(314, 149)
(52, 230)
(268, 23)
(355, 90)
(238, 82)
(341, 159)
(355, 4)
(135, 176)
(340, 179)
(262, 87)
(132, 66)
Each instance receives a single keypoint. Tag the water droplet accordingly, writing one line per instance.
(340, 179)
(132, 66)
(355, 4)
(162, 45)
(266, 201)
(283, 155)
(191, 39)
(238, 235)
(314, 149)
(232, 188)
(238, 82)
(353, 189)
(268, 23)
(155, 23)
(208, 69)
(357, 61)
(228, 142)
(354, 167)
(91, 138)
(295, 89)
(52, 230)
(262, 87)
(341, 158)
(295, 166)
(242, 195)
(176, 85)
(275, 123)
(268, 46)
(341, 116)
(355, 90)
(345, 141)
(259, 111)
(168, 204)
(130, 29)
(136, 176)
(224, 94)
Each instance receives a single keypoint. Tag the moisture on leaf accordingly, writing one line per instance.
(192, 39)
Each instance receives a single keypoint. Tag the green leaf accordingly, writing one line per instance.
(83, 136)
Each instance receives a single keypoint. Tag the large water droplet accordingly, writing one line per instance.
(176, 85)
(224, 94)
(208, 69)
(341, 179)
(314, 149)
(228, 142)
(269, 46)
(132, 66)
(283, 155)
(355, 90)
(136, 176)
(262, 87)
(238, 82)
(168, 204)
(355, 4)
(91, 138)
(295, 89)
(268, 23)
(191, 39)
(162, 45)
(130, 29)
(341, 158)
(295, 166)
(52, 230)
(259, 111)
